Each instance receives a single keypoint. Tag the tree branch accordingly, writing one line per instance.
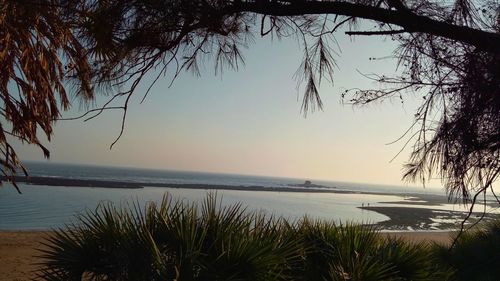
(484, 40)
(368, 33)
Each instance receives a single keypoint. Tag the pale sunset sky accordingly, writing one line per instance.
(249, 121)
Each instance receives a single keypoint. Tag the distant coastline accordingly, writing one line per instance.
(308, 184)
(61, 181)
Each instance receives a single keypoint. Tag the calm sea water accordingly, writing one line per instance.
(45, 207)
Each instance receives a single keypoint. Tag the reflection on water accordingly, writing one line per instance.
(44, 207)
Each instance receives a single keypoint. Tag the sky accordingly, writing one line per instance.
(249, 121)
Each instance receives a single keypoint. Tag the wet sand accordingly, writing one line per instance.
(18, 250)
(422, 219)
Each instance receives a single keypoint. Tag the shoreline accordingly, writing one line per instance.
(410, 217)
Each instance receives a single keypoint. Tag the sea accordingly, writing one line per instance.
(49, 207)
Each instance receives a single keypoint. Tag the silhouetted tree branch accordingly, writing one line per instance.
(403, 17)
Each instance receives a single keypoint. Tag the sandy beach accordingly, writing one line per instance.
(18, 250)
(18, 254)
(441, 237)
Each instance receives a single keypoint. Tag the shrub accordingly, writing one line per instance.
(170, 241)
(175, 240)
(355, 252)
(475, 255)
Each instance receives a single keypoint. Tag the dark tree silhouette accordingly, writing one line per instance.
(449, 53)
(38, 54)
